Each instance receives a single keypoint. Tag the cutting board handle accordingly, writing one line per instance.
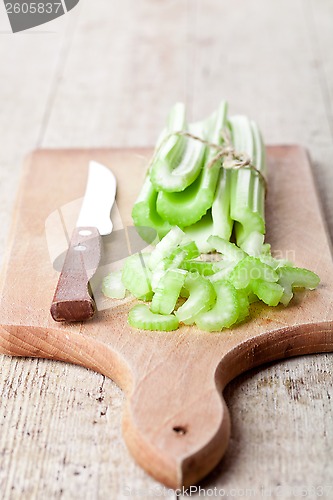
(72, 300)
(176, 424)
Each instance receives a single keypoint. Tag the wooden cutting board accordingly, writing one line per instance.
(175, 422)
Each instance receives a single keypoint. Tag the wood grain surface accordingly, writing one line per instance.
(107, 76)
(176, 435)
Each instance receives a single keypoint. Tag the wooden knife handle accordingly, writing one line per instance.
(72, 300)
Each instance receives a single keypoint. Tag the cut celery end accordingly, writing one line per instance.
(188, 207)
(181, 171)
(201, 297)
(141, 317)
(250, 233)
(136, 276)
(224, 313)
(166, 246)
(229, 250)
(218, 121)
(269, 293)
(167, 291)
(251, 268)
(174, 146)
(216, 221)
(145, 216)
(113, 286)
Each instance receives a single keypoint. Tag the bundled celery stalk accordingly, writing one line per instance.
(197, 195)
(248, 191)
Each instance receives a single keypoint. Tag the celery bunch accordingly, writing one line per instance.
(195, 202)
(183, 188)
(218, 292)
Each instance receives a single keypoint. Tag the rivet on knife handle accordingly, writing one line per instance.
(72, 300)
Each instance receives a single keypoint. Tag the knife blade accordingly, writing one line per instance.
(72, 299)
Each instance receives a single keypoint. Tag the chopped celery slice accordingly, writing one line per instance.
(187, 208)
(113, 286)
(201, 297)
(244, 305)
(174, 262)
(167, 291)
(145, 216)
(247, 189)
(266, 258)
(293, 277)
(189, 249)
(251, 268)
(225, 311)
(141, 317)
(223, 272)
(230, 251)
(180, 171)
(136, 276)
(166, 246)
(270, 293)
(198, 266)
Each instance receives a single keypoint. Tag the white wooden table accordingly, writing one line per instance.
(106, 74)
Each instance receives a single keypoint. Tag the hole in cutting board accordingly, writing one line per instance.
(180, 430)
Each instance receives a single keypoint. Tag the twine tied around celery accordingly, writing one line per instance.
(232, 159)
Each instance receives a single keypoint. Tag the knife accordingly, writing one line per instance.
(72, 300)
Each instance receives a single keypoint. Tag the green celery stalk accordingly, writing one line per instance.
(200, 232)
(189, 206)
(180, 171)
(145, 216)
(222, 222)
(247, 189)
(173, 147)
